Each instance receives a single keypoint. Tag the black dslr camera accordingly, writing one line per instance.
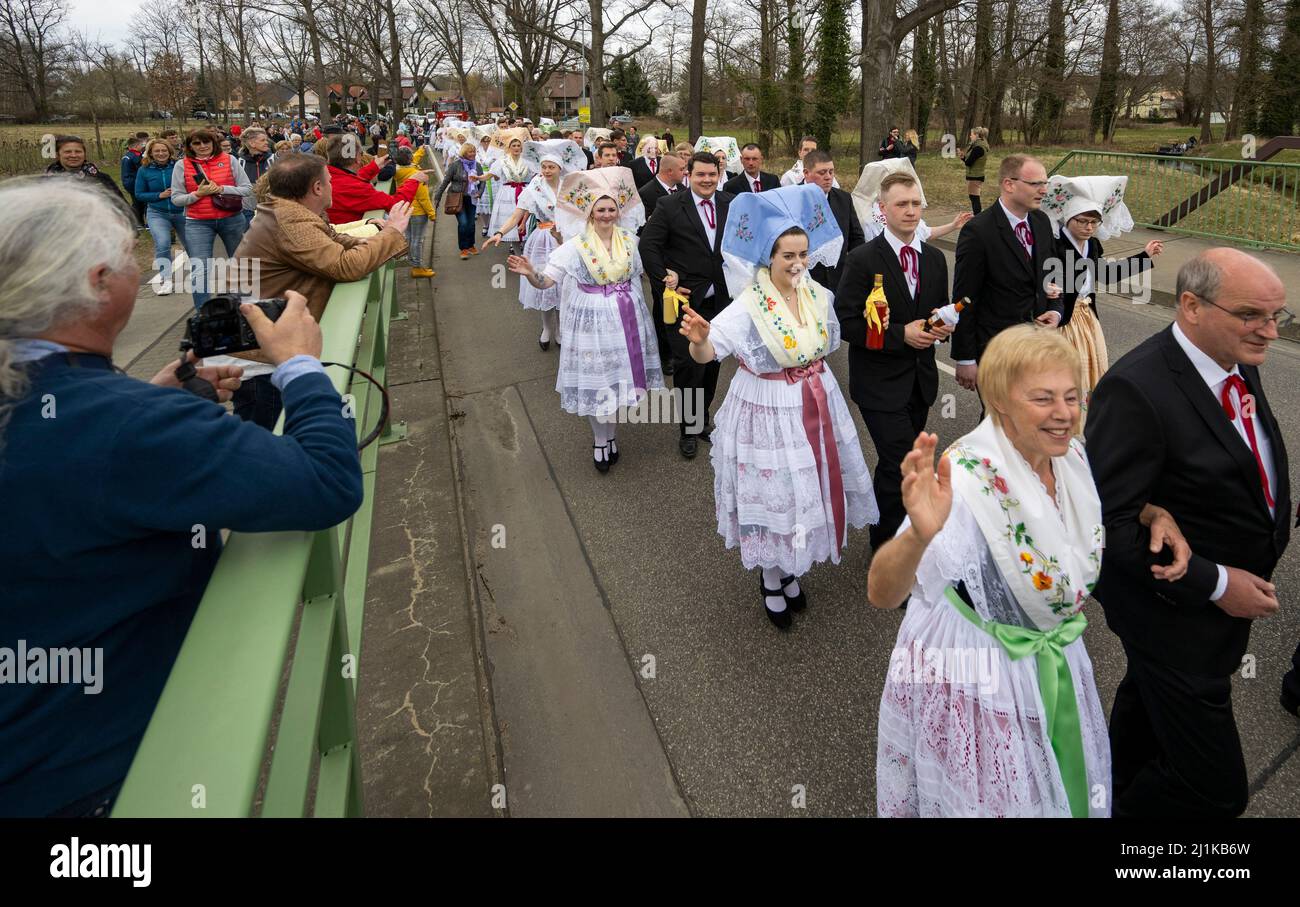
(219, 328)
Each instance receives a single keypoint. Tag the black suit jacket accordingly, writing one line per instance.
(641, 172)
(1157, 434)
(674, 238)
(842, 207)
(650, 194)
(742, 183)
(1004, 285)
(1104, 272)
(883, 379)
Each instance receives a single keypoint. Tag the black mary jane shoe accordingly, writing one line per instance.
(544, 344)
(793, 602)
(613, 451)
(689, 446)
(780, 619)
(602, 466)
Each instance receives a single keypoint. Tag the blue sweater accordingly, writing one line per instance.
(130, 167)
(152, 179)
(96, 550)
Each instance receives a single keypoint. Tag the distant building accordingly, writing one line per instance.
(1159, 103)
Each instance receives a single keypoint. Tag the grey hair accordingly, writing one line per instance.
(295, 136)
(252, 132)
(1199, 276)
(54, 232)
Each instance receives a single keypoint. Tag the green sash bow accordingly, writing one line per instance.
(1054, 684)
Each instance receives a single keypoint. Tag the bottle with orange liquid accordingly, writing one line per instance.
(874, 312)
(948, 315)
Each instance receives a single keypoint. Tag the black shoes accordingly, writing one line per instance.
(689, 445)
(1290, 703)
(668, 368)
(602, 466)
(613, 451)
(793, 603)
(544, 344)
(780, 619)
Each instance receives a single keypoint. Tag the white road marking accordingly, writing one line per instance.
(948, 369)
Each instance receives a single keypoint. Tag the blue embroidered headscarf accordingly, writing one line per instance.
(756, 219)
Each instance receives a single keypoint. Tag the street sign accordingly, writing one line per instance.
(513, 106)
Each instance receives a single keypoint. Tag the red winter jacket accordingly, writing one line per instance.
(354, 195)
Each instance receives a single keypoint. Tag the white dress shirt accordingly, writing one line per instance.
(1214, 377)
(897, 244)
(710, 232)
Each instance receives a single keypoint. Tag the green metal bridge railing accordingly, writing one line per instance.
(207, 743)
(1251, 202)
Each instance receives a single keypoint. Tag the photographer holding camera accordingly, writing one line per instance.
(116, 490)
(293, 246)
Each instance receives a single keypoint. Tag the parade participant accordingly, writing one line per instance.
(487, 156)
(794, 176)
(789, 476)
(553, 158)
(465, 178)
(1183, 419)
(1000, 549)
(682, 246)
(895, 383)
(752, 177)
(975, 157)
(1004, 258)
(1085, 210)
(667, 180)
(609, 358)
(724, 148)
(819, 169)
(867, 206)
(511, 175)
(646, 164)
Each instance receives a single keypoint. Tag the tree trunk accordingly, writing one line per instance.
(1210, 66)
(1103, 106)
(695, 105)
(879, 52)
(1050, 101)
(318, 65)
(923, 79)
(596, 64)
(794, 74)
(998, 87)
(394, 62)
(946, 100)
(981, 62)
(767, 100)
(1245, 97)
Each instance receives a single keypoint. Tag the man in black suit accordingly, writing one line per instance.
(894, 386)
(751, 160)
(1182, 422)
(685, 236)
(645, 169)
(625, 154)
(666, 182)
(819, 169)
(1005, 258)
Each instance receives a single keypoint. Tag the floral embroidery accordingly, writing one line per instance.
(790, 342)
(818, 218)
(1042, 581)
(742, 228)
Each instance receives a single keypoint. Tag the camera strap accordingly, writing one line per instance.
(189, 378)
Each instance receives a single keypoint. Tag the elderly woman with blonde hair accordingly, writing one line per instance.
(999, 552)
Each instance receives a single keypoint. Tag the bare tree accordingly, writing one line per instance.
(449, 24)
(695, 105)
(522, 38)
(32, 48)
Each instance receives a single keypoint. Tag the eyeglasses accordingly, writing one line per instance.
(1282, 318)
(1037, 184)
(1086, 221)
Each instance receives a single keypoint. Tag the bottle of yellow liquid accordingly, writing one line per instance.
(875, 310)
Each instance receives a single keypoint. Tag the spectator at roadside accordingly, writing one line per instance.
(202, 176)
(352, 191)
(422, 210)
(164, 468)
(295, 247)
(70, 160)
(256, 157)
(153, 186)
(130, 166)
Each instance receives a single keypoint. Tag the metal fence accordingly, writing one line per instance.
(1247, 202)
(207, 744)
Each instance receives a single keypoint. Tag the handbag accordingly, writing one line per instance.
(455, 202)
(222, 201)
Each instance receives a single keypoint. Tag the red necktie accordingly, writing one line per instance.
(707, 205)
(1235, 382)
(1026, 237)
(757, 187)
(654, 166)
(910, 263)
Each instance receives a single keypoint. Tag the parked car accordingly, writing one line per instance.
(622, 120)
(160, 115)
(200, 115)
(62, 118)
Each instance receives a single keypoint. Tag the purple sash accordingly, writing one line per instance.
(623, 293)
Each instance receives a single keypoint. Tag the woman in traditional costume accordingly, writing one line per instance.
(999, 551)
(789, 476)
(510, 174)
(487, 156)
(609, 359)
(554, 158)
(866, 201)
(1085, 210)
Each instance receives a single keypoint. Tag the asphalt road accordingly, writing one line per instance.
(623, 601)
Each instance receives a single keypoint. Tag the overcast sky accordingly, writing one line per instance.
(106, 18)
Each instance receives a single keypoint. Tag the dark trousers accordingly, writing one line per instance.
(1291, 682)
(465, 225)
(1175, 751)
(258, 401)
(893, 433)
(689, 376)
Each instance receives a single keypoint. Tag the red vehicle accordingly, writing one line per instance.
(451, 107)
